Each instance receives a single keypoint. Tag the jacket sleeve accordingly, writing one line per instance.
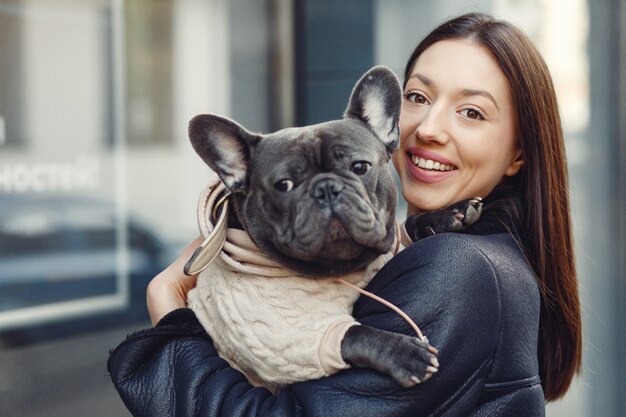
(443, 282)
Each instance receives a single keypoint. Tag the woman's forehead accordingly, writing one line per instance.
(460, 65)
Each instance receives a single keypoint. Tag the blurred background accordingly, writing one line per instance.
(98, 184)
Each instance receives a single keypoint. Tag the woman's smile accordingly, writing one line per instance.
(428, 167)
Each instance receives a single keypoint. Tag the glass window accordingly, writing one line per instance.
(61, 215)
(149, 65)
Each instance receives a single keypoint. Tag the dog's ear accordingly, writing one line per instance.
(225, 146)
(376, 100)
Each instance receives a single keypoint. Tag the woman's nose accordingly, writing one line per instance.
(433, 127)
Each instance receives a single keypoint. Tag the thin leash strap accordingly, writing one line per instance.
(392, 306)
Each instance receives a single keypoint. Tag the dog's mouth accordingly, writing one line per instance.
(337, 231)
(339, 244)
(339, 251)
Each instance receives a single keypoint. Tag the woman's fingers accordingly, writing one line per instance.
(168, 290)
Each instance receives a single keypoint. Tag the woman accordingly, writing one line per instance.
(479, 117)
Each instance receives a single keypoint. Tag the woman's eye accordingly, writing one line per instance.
(284, 185)
(360, 167)
(471, 113)
(415, 97)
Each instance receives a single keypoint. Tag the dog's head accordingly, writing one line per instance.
(319, 199)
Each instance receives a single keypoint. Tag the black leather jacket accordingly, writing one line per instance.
(475, 297)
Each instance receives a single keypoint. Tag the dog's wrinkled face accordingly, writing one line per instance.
(319, 199)
(323, 195)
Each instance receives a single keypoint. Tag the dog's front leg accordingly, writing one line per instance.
(408, 360)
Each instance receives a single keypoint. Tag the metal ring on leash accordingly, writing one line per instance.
(218, 204)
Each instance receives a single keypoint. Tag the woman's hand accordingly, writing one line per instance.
(168, 290)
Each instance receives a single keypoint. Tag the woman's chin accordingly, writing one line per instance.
(423, 202)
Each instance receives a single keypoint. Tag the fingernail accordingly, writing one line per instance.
(435, 362)
(415, 379)
(432, 369)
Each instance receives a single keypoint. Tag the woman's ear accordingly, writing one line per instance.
(515, 165)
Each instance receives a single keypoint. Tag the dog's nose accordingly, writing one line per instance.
(326, 189)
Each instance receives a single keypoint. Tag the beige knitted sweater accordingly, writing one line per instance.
(276, 326)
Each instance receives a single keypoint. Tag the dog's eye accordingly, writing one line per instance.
(360, 167)
(284, 185)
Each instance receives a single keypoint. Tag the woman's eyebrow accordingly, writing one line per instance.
(467, 92)
(427, 81)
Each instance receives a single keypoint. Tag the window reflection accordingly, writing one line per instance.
(62, 229)
(149, 61)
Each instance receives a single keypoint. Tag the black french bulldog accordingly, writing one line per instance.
(321, 201)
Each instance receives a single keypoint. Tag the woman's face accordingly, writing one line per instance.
(457, 127)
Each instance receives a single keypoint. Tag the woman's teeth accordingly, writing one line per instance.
(430, 164)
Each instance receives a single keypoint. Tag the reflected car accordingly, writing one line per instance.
(61, 256)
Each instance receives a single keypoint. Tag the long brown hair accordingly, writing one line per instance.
(542, 185)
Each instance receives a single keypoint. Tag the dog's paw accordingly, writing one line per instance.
(453, 218)
(412, 361)
(408, 360)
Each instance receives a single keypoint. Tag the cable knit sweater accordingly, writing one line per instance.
(276, 326)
